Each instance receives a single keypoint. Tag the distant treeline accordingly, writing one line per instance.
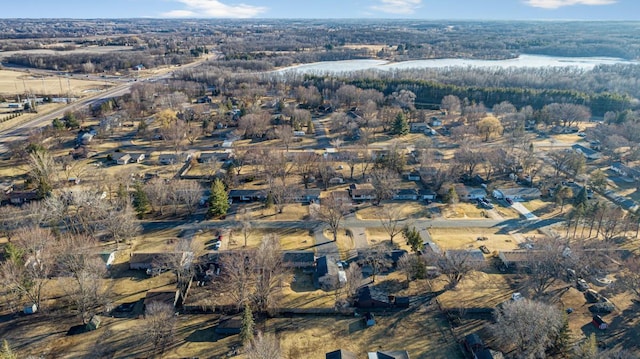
(433, 92)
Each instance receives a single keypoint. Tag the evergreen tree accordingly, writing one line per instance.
(6, 352)
(413, 238)
(218, 200)
(588, 349)
(246, 331)
(562, 342)
(452, 196)
(269, 202)
(140, 200)
(400, 125)
(582, 197)
(310, 128)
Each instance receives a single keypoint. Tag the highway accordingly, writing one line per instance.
(22, 130)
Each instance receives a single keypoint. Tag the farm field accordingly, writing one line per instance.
(12, 82)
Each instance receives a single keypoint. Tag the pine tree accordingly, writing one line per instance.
(269, 201)
(413, 238)
(140, 200)
(310, 128)
(218, 200)
(452, 196)
(6, 352)
(400, 125)
(246, 331)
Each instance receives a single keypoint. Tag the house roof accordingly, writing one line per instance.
(298, 257)
(163, 296)
(585, 151)
(325, 265)
(473, 339)
(120, 156)
(396, 254)
(406, 192)
(247, 193)
(395, 354)
(517, 256)
(520, 192)
(474, 255)
(340, 354)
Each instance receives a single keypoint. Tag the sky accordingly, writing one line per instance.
(372, 9)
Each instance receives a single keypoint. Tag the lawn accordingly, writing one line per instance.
(461, 238)
(405, 210)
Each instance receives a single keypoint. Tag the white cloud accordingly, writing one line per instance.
(214, 8)
(554, 4)
(402, 7)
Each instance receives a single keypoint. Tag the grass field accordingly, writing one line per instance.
(460, 238)
(19, 82)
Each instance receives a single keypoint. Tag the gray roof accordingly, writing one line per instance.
(340, 354)
(395, 354)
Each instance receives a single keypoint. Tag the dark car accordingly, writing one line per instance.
(592, 296)
(509, 200)
(484, 249)
(582, 285)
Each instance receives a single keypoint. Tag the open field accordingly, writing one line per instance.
(19, 82)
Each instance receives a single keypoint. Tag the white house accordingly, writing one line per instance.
(466, 193)
(517, 193)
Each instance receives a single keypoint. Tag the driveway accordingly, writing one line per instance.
(359, 238)
(524, 211)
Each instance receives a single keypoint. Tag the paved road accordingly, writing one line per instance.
(22, 130)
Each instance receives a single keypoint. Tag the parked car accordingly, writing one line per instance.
(217, 245)
(509, 200)
(592, 296)
(484, 249)
(582, 285)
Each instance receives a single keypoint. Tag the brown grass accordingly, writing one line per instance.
(19, 82)
(460, 238)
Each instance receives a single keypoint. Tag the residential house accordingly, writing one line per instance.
(247, 195)
(365, 300)
(515, 258)
(298, 259)
(426, 194)
(84, 138)
(206, 157)
(336, 180)
(340, 354)
(466, 193)
(362, 192)
(517, 193)
(137, 157)
(326, 271)
(167, 159)
(419, 127)
(395, 354)
(306, 196)
(22, 197)
(474, 256)
(625, 171)
(588, 153)
(408, 194)
(341, 196)
(121, 158)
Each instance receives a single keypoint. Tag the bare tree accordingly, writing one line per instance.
(29, 263)
(354, 280)
(187, 193)
(237, 276)
(454, 265)
(157, 190)
(264, 346)
(384, 183)
(413, 266)
(529, 326)
(450, 103)
(245, 225)
(270, 274)
(331, 212)
(285, 134)
(545, 264)
(121, 224)
(77, 259)
(307, 163)
(159, 325)
(630, 277)
(42, 170)
(180, 262)
(390, 217)
(377, 260)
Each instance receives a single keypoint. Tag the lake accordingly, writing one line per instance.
(586, 63)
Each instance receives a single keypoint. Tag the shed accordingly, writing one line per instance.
(369, 319)
(599, 323)
(94, 323)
